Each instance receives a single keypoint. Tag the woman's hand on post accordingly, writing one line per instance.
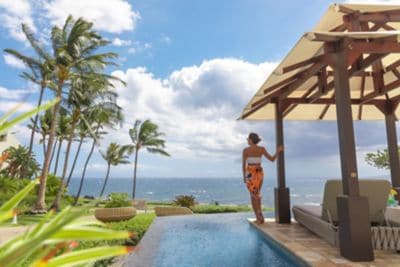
(279, 149)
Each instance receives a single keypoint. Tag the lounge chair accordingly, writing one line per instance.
(323, 220)
(168, 211)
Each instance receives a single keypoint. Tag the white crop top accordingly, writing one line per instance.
(253, 160)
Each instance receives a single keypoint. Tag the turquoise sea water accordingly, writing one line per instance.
(206, 190)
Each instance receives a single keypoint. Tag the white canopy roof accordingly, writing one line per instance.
(310, 46)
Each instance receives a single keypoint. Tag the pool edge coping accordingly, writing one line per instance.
(285, 249)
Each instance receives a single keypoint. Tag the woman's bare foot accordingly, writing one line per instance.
(258, 222)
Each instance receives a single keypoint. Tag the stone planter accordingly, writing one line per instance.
(170, 211)
(114, 214)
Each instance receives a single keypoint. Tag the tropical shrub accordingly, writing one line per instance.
(185, 201)
(118, 200)
(138, 225)
(19, 163)
(53, 240)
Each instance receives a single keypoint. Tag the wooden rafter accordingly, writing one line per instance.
(364, 64)
(303, 63)
(304, 96)
(386, 89)
(288, 89)
(325, 110)
(362, 89)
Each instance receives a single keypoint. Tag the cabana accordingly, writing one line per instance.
(345, 69)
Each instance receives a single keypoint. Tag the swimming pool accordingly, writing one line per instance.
(207, 241)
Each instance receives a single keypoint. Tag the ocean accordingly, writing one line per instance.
(205, 190)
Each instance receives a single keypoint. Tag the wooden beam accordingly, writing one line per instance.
(386, 89)
(322, 80)
(282, 196)
(375, 47)
(341, 28)
(366, 62)
(362, 89)
(387, 16)
(303, 63)
(377, 76)
(393, 66)
(304, 96)
(344, 9)
(326, 101)
(345, 125)
(288, 89)
(396, 73)
(325, 110)
(280, 84)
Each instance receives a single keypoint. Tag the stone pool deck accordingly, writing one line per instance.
(315, 251)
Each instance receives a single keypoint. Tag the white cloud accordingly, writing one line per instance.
(195, 106)
(8, 105)
(14, 94)
(114, 16)
(120, 42)
(13, 13)
(138, 47)
(14, 62)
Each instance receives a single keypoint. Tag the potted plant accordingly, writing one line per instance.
(117, 208)
(392, 202)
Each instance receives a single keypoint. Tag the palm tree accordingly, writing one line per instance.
(43, 128)
(146, 135)
(62, 131)
(115, 155)
(101, 115)
(41, 69)
(86, 91)
(74, 46)
(83, 133)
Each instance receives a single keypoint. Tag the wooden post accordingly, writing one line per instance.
(282, 194)
(390, 120)
(353, 210)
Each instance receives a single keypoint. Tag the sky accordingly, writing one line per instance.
(190, 67)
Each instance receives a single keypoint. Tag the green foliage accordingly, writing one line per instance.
(219, 209)
(117, 154)
(6, 124)
(138, 225)
(45, 244)
(118, 200)
(146, 134)
(20, 163)
(9, 186)
(380, 159)
(52, 185)
(185, 201)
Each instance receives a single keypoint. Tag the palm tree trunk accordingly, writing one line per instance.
(78, 150)
(84, 172)
(106, 180)
(44, 144)
(58, 156)
(40, 203)
(56, 204)
(42, 87)
(53, 153)
(134, 173)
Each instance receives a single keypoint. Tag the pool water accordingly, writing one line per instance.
(216, 241)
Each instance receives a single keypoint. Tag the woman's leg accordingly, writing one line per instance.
(255, 202)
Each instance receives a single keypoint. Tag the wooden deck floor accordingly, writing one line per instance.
(315, 251)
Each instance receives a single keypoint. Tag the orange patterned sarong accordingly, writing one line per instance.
(254, 180)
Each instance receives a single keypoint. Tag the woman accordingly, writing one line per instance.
(253, 173)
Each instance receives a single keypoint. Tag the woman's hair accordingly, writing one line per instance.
(254, 138)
